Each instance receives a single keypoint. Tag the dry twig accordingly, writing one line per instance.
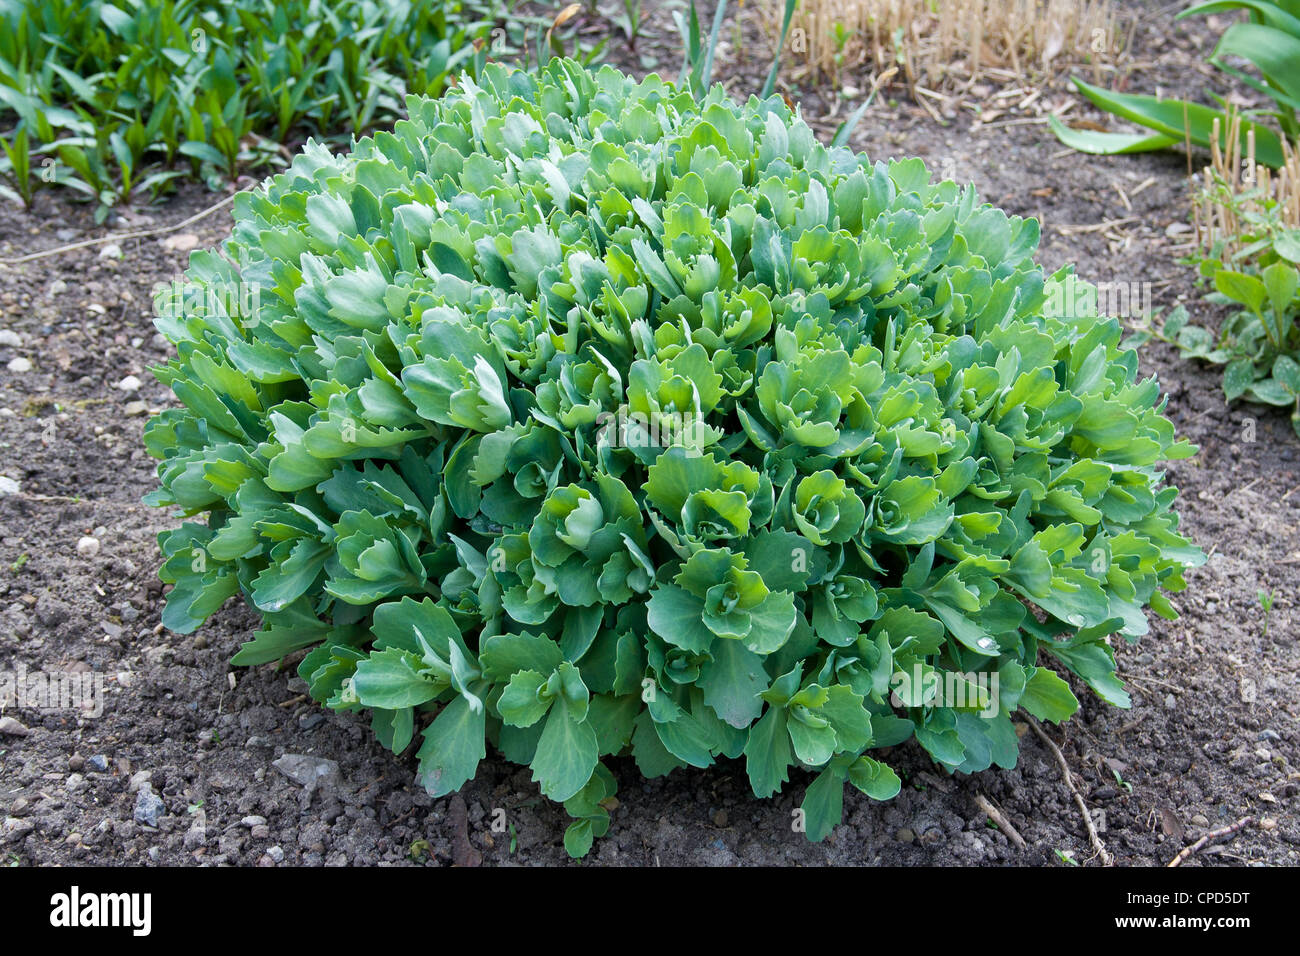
(138, 234)
(1098, 847)
(1210, 837)
(1000, 818)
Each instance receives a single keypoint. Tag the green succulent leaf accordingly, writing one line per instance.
(453, 746)
(566, 754)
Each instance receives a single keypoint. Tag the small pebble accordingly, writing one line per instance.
(111, 251)
(1199, 820)
(19, 365)
(76, 762)
(97, 763)
(148, 807)
(181, 242)
(10, 339)
(88, 547)
(130, 384)
(275, 853)
(15, 829)
(304, 768)
(253, 821)
(905, 836)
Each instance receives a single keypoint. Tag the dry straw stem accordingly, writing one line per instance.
(948, 44)
(992, 811)
(118, 237)
(1209, 838)
(1235, 191)
(1099, 848)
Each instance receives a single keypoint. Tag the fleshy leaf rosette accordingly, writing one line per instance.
(580, 420)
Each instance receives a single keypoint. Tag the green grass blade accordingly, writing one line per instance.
(770, 85)
(1275, 54)
(706, 74)
(1109, 144)
(845, 130)
(690, 30)
(1270, 13)
(1181, 119)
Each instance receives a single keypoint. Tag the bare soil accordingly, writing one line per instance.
(1211, 737)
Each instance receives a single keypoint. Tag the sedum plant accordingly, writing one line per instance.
(581, 419)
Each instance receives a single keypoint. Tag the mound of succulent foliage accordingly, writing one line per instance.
(581, 419)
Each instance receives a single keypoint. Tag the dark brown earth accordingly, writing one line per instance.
(1211, 737)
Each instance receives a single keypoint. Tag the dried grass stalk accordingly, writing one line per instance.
(1239, 200)
(945, 44)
